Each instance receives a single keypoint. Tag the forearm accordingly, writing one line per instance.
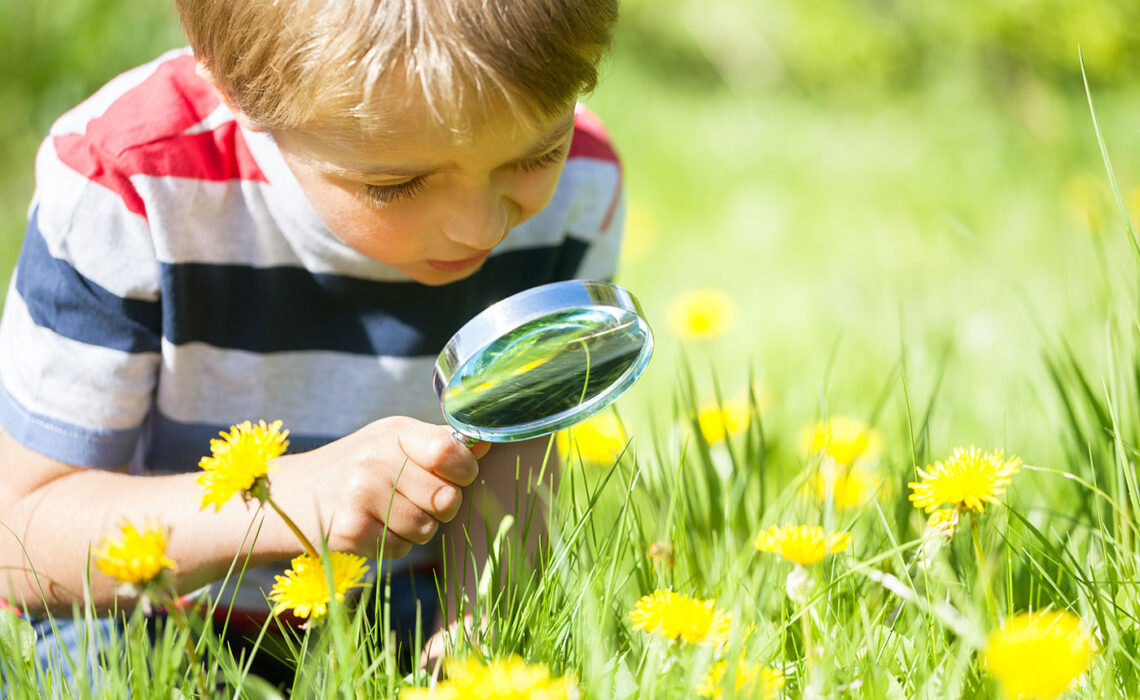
(53, 517)
(48, 535)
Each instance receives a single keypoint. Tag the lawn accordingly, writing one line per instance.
(896, 219)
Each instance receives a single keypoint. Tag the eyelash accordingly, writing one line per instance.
(389, 194)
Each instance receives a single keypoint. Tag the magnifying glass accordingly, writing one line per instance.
(542, 360)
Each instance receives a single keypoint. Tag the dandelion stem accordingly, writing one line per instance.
(805, 627)
(976, 537)
(309, 548)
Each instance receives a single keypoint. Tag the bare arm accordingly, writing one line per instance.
(53, 514)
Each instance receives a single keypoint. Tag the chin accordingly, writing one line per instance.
(431, 277)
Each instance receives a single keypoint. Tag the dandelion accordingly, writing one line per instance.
(968, 479)
(597, 440)
(660, 554)
(1038, 655)
(802, 544)
(752, 680)
(133, 557)
(239, 462)
(503, 679)
(845, 486)
(1085, 198)
(843, 440)
(304, 588)
(701, 314)
(676, 616)
(719, 421)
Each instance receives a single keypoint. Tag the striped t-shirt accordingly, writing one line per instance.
(174, 281)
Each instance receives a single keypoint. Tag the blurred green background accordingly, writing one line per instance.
(881, 189)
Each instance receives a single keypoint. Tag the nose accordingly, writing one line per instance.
(479, 220)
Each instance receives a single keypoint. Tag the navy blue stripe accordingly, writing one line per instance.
(175, 447)
(73, 444)
(288, 308)
(60, 298)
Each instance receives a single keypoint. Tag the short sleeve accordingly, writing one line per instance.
(80, 336)
(598, 216)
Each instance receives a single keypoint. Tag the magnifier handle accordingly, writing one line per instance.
(465, 440)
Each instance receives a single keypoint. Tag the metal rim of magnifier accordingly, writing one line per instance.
(526, 306)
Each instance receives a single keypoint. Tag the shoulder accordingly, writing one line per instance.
(591, 183)
(151, 102)
(159, 120)
(591, 142)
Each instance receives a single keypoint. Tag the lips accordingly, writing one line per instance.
(458, 265)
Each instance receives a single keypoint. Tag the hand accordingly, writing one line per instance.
(393, 481)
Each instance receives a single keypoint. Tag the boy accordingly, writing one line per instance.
(289, 223)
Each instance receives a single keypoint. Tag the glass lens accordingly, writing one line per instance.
(548, 373)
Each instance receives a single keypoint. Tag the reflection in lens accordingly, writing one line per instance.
(546, 367)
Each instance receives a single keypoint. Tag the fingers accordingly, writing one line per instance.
(437, 497)
(433, 448)
(398, 516)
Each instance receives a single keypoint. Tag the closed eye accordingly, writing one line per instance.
(390, 194)
(545, 160)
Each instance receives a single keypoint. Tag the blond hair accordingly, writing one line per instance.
(312, 65)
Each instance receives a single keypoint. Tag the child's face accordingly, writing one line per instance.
(426, 203)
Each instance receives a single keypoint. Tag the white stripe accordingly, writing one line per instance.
(106, 243)
(314, 392)
(75, 120)
(88, 386)
(221, 115)
(601, 258)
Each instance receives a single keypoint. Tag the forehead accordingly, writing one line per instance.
(411, 132)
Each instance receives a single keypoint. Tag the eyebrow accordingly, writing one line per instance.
(372, 171)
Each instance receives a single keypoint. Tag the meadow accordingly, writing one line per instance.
(868, 236)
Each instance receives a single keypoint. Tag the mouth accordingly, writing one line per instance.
(459, 265)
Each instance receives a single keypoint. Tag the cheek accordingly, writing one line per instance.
(534, 190)
(386, 234)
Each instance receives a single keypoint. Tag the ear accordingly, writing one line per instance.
(239, 116)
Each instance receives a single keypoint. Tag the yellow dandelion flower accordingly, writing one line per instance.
(675, 616)
(640, 234)
(304, 587)
(752, 680)
(503, 679)
(719, 421)
(847, 487)
(802, 544)
(134, 557)
(660, 554)
(237, 462)
(1038, 655)
(1086, 199)
(700, 314)
(598, 440)
(968, 479)
(843, 439)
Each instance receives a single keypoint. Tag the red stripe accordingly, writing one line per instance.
(141, 134)
(590, 140)
(4, 606)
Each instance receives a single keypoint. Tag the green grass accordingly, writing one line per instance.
(933, 247)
